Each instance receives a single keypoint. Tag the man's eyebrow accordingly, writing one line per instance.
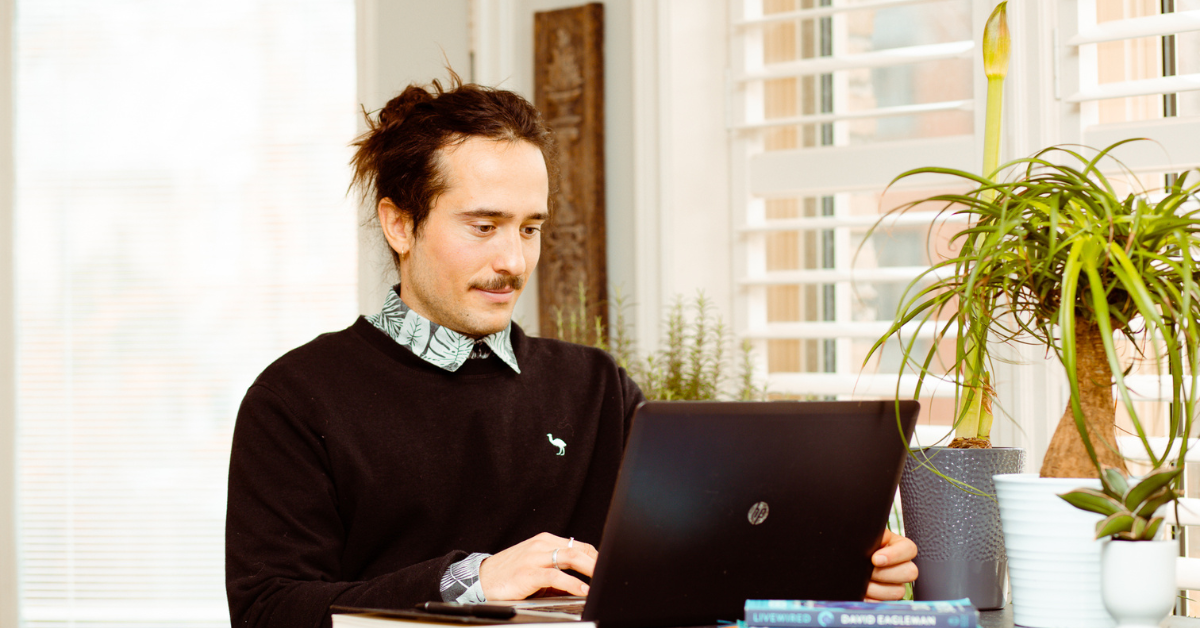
(496, 213)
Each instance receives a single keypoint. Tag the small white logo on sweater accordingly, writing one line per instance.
(558, 442)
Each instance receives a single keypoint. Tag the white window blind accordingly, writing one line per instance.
(1128, 69)
(1131, 68)
(181, 222)
(832, 100)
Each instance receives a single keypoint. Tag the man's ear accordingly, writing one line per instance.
(397, 226)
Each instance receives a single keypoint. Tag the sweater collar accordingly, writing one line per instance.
(440, 346)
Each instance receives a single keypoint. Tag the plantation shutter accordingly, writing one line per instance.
(831, 101)
(1132, 70)
(1126, 70)
(180, 223)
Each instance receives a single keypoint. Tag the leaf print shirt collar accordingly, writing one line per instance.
(440, 346)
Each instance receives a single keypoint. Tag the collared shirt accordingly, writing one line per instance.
(440, 346)
(461, 584)
(445, 348)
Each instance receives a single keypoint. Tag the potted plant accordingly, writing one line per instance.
(946, 492)
(1137, 569)
(1055, 256)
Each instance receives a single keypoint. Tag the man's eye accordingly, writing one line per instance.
(530, 231)
(485, 228)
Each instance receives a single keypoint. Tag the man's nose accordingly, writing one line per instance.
(509, 257)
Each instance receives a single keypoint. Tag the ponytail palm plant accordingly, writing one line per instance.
(1053, 255)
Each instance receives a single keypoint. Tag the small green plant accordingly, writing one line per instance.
(1128, 509)
(691, 365)
(573, 324)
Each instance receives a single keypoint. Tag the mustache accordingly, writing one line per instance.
(500, 282)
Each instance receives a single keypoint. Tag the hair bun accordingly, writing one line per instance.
(398, 108)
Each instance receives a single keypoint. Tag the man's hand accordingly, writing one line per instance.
(893, 568)
(528, 567)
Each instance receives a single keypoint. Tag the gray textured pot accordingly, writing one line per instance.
(958, 534)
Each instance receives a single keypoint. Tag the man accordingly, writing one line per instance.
(434, 451)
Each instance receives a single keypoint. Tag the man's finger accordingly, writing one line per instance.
(879, 592)
(587, 548)
(574, 558)
(572, 544)
(898, 574)
(547, 540)
(563, 582)
(896, 549)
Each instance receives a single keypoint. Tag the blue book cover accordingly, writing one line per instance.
(805, 613)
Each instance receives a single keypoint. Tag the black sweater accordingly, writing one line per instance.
(360, 472)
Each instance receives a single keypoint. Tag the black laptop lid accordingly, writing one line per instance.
(718, 502)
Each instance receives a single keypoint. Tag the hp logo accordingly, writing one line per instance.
(758, 513)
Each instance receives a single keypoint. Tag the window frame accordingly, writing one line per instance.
(1045, 105)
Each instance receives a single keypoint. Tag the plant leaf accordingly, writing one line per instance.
(1152, 528)
(1138, 528)
(1116, 481)
(1156, 501)
(1150, 485)
(1114, 524)
(1091, 500)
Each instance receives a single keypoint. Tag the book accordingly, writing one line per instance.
(353, 617)
(805, 613)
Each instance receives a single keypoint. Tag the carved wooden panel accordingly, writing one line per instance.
(569, 91)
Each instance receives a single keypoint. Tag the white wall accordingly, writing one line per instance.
(401, 42)
(696, 231)
(8, 481)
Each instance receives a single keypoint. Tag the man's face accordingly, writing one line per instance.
(481, 239)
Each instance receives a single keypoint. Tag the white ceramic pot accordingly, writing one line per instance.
(1138, 581)
(1053, 557)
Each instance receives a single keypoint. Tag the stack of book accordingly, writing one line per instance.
(805, 613)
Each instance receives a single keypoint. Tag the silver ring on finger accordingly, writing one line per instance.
(554, 559)
(570, 542)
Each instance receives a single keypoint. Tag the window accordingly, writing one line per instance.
(831, 101)
(833, 98)
(1131, 71)
(1131, 68)
(181, 221)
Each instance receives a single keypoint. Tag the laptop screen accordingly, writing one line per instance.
(718, 502)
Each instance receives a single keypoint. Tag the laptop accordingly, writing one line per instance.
(720, 502)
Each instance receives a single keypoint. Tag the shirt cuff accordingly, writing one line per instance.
(460, 583)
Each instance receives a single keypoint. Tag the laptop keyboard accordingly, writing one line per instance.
(573, 608)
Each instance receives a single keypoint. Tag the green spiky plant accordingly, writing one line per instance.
(1054, 256)
(692, 364)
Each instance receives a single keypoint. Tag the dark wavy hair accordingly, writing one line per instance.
(399, 157)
